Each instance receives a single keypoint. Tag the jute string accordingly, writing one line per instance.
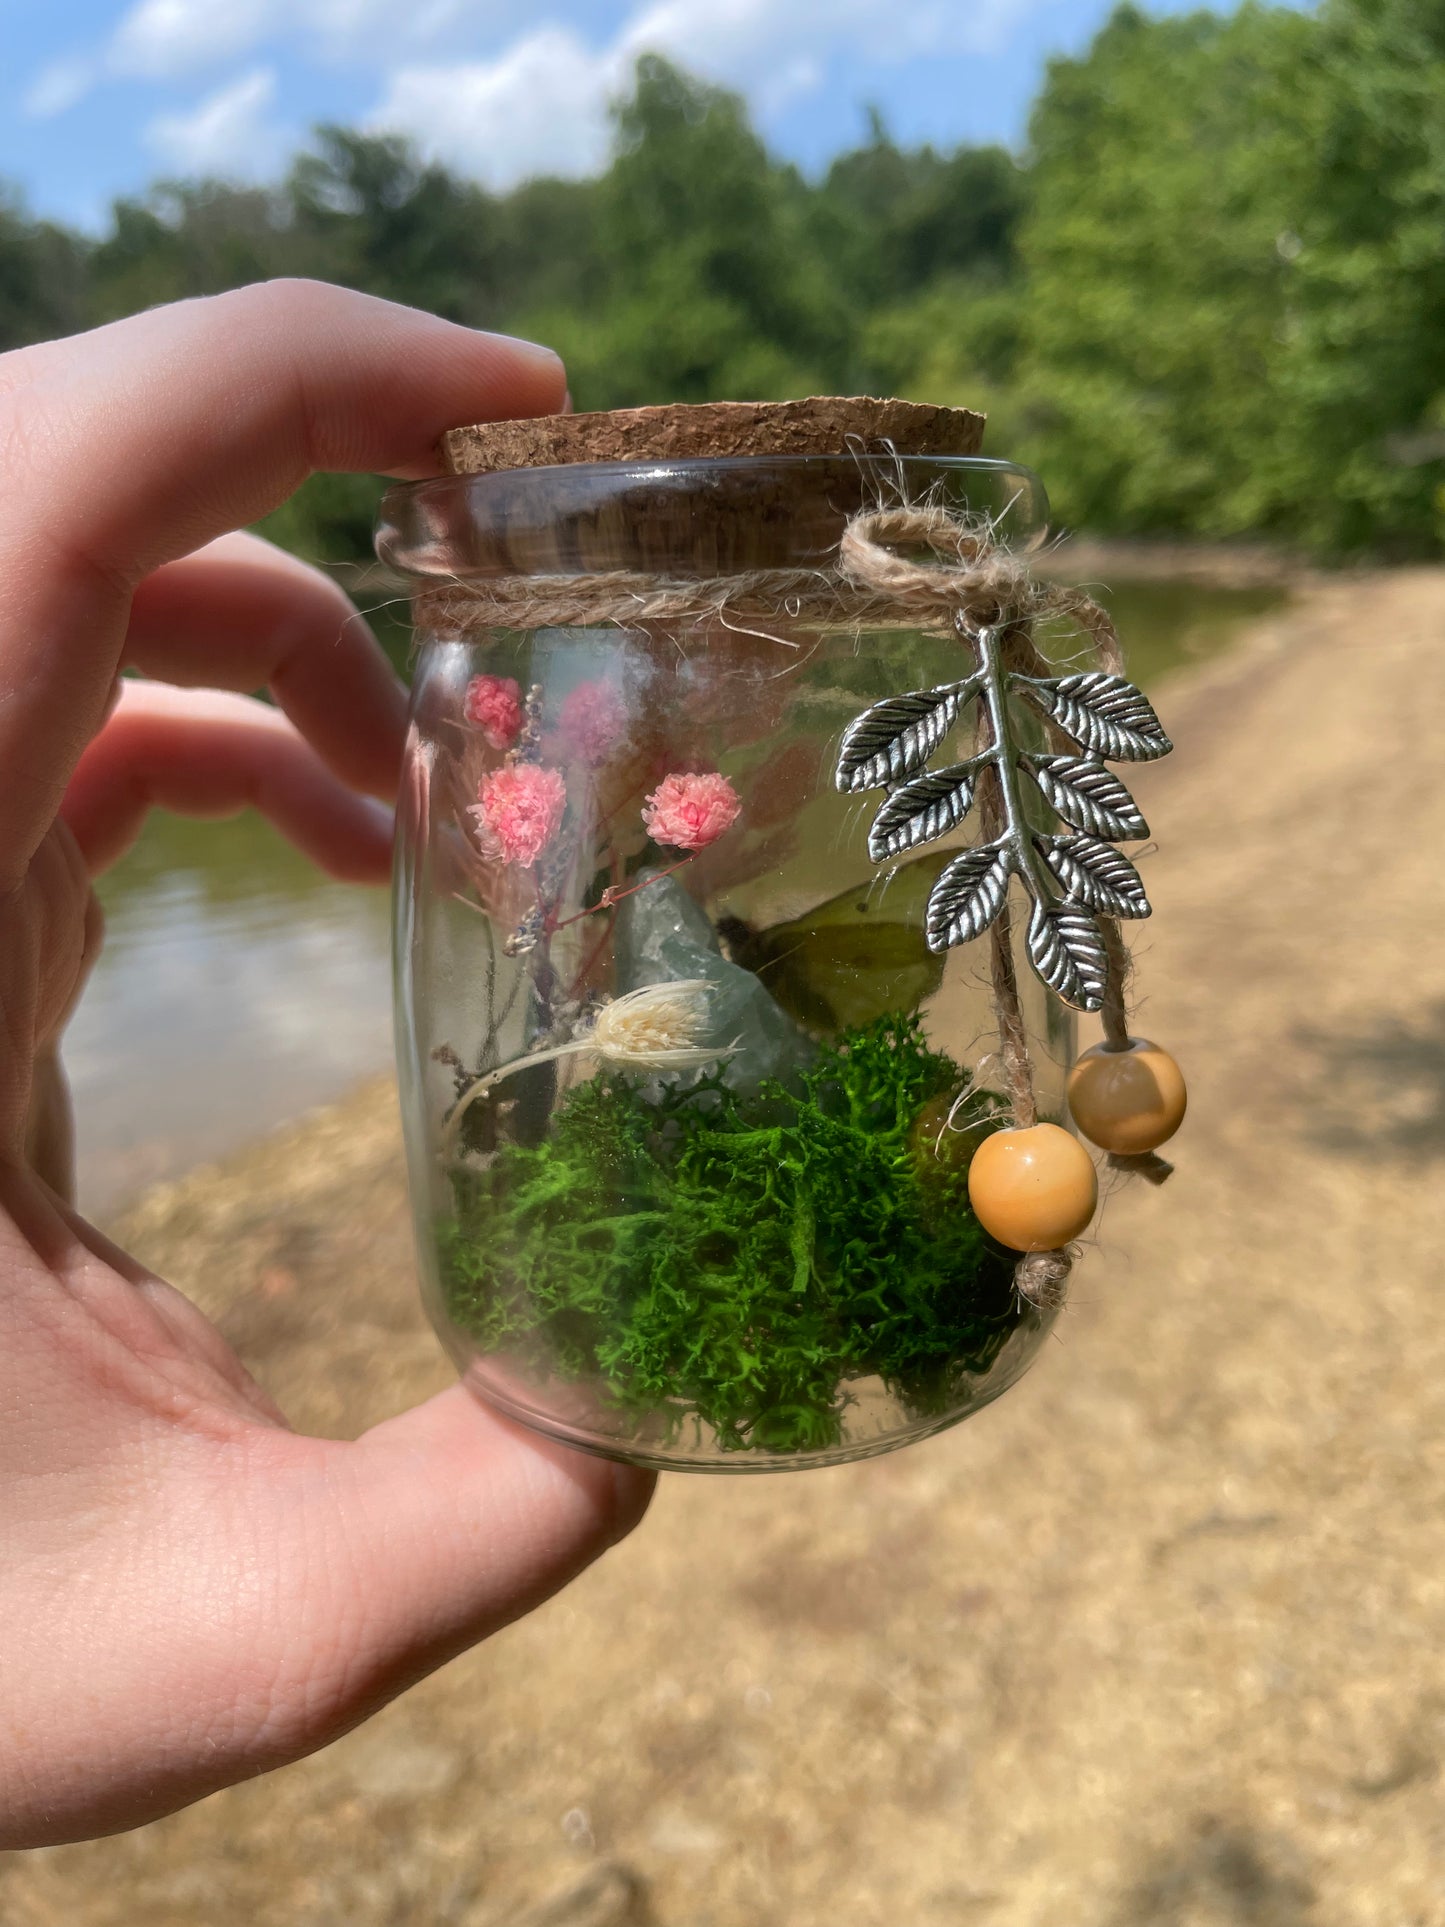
(966, 575)
(1115, 1017)
(871, 585)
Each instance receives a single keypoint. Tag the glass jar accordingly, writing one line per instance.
(689, 1101)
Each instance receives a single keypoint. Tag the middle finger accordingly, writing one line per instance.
(241, 614)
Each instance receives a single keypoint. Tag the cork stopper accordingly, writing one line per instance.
(821, 425)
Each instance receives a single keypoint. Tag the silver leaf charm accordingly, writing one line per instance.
(1095, 874)
(1087, 795)
(968, 896)
(918, 811)
(1102, 713)
(1066, 948)
(897, 736)
(1074, 876)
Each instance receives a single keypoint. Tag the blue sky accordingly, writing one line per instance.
(99, 97)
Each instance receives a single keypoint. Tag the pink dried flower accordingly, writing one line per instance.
(592, 721)
(687, 812)
(494, 704)
(521, 805)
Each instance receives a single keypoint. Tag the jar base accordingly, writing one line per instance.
(1018, 1355)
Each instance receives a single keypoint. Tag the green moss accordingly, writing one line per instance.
(740, 1258)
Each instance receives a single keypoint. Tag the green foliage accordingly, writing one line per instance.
(1234, 264)
(1209, 301)
(42, 279)
(738, 1258)
(704, 283)
(957, 344)
(184, 239)
(329, 518)
(893, 221)
(1362, 403)
(1168, 165)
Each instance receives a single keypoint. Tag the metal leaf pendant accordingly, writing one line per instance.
(1087, 795)
(968, 896)
(1073, 876)
(1066, 948)
(1102, 713)
(1094, 873)
(896, 737)
(921, 809)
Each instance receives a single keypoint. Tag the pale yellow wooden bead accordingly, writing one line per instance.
(1127, 1101)
(1033, 1189)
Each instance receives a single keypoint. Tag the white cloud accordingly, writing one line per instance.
(160, 39)
(57, 88)
(169, 39)
(727, 38)
(541, 107)
(793, 80)
(354, 25)
(229, 134)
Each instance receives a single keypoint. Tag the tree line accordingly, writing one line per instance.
(1208, 299)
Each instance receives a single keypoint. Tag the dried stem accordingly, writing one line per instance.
(1012, 1032)
(1041, 1278)
(1115, 1014)
(482, 1085)
(1013, 1037)
(612, 896)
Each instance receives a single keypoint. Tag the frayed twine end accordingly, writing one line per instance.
(1042, 1278)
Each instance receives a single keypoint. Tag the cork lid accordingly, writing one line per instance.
(821, 425)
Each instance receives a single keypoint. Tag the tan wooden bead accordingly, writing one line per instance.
(1033, 1189)
(1127, 1101)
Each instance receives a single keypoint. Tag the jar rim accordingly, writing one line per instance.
(696, 515)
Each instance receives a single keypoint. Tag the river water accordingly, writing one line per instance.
(238, 987)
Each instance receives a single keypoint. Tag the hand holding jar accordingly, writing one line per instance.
(191, 1593)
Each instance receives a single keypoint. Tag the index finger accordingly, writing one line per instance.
(132, 446)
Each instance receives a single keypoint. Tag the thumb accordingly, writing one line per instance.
(441, 1527)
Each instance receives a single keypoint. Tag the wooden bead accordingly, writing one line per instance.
(1127, 1101)
(1033, 1189)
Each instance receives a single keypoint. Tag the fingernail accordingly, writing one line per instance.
(538, 352)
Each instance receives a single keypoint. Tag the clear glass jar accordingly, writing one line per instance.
(689, 1101)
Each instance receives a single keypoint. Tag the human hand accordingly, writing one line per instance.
(190, 1593)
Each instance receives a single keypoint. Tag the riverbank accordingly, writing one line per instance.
(1153, 1640)
(1218, 565)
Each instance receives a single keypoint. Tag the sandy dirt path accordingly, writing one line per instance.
(1157, 1639)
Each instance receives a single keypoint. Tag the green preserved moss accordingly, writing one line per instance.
(741, 1258)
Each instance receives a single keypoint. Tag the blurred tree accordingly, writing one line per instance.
(184, 238)
(1235, 263)
(894, 220)
(1362, 392)
(382, 220)
(957, 342)
(704, 283)
(42, 279)
(1170, 169)
(1211, 300)
(695, 267)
